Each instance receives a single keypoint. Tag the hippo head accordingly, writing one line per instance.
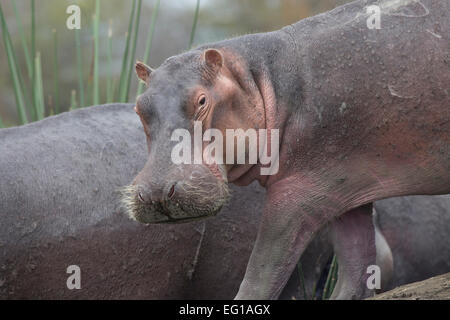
(188, 89)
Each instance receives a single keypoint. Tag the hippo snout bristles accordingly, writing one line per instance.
(198, 199)
(128, 200)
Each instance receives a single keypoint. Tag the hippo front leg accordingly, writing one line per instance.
(353, 237)
(286, 229)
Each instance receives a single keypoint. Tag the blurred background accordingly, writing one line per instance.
(60, 79)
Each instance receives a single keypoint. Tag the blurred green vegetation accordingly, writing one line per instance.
(34, 99)
(78, 69)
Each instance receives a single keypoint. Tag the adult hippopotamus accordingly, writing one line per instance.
(58, 207)
(362, 113)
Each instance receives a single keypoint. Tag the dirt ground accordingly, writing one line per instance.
(436, 288)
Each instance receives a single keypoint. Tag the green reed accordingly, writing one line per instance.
(23, 40)
(73, 100)
(79, 67)
(110, 80)
(39, 88)
(331, 279)
(123, 72)
(194, 25)
(148, 45)
(29, 95)
(55, 73)
(13, 67)
(96, 93)
(133, 52)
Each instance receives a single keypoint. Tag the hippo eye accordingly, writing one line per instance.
(202, 100)
(202, 110)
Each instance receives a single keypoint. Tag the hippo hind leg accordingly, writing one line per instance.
(353, 237)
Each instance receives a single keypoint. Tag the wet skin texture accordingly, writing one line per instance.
(363, 115)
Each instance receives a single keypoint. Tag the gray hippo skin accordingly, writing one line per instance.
(417, 230)
(81, 158)
(59, 207)
(411, 244)
(374, 123)
(363, 115)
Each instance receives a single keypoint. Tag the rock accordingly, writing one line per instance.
(436, 288)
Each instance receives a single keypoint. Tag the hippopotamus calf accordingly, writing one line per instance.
(362, 115)
(59, 181)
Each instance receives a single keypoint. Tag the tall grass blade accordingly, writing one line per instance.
(28, 106)
(50, 106)
(33, 56)
(123, 71)
(28, 60)
(79, 67)
(327, 289)
(301, 277)
(21, 83)
(73, 100)
(334, 278)
(194, 25)
(90, 79)
(95, 95)
(314, 291)
(33, 30)
(24, 89)
(39, 88)
(114, 87)
(23, 40)
(55, 73)
(1, 123)
(148, 45)
(133, 51)
(109, 81)
(13, 67)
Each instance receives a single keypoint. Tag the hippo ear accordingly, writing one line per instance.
(143, 71)
(213, 59)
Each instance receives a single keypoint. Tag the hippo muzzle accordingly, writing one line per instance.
(187, 193)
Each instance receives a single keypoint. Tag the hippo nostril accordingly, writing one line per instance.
(171, 191)
(141, 198)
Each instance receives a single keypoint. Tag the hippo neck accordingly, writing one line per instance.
(265, 62)
(269, 60)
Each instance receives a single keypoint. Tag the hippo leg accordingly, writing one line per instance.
(284, 233)
(353, 237)
(385, 259)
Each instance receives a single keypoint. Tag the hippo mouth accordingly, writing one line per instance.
(186, 201)
(164, 213)
(180, 220)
